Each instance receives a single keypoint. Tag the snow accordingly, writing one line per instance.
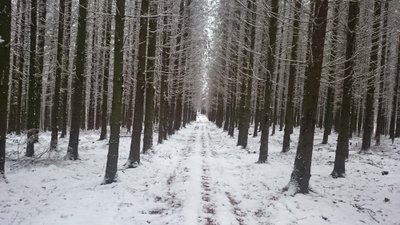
(198, 176)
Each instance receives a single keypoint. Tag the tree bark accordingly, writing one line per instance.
(163, 111)
(134, 154)
(151, 52)
(34, 87)
(292, 79)
(5, 34)
(112, 156)
(395, 105)
(373, 65)
(57, 82)
(342, 147)
(64, 80)
(104, 104)
(273, 28)
(78, 83)
(328, 117)
(300, 177)
(380, 117)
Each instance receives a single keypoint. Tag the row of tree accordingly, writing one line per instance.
(309, 64)
(98, 64)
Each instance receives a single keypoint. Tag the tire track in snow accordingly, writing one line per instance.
(179, 174)
(222, 188)
(206, 189)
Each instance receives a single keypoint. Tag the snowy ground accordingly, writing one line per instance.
(198, 176)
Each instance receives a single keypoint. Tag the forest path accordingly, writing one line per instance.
(204, 200)
(197, 177)
(212, 194)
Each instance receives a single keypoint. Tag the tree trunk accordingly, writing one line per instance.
(104, 104)
(263, 156)
(292, 80)
(247, 80)
(163, 111)
(5, 34)
(57, 82)
(342, 147)
(115, 122)
(64, 80)
(151, 52)
(373, 65)
(302, 166)
(328, 117)
(134, 154)
(380, 118)
(34, 87)
(395, 105)
(78, 83)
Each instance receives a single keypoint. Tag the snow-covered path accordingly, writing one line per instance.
(198, 176)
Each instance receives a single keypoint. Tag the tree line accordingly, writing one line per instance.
(332, 65)
(136, 65)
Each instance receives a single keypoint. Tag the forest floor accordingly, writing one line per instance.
(198, 176)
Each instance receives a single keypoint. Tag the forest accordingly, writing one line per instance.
(199, 112)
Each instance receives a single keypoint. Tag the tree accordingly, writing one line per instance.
(395, 105)
(77, 82)
(292, 79)
(103, 133)
(373, 65)
(247, 77)
(328, 116)
(163, 108)
(151, 51)
(112, 157)
(342, 146)
(301, 174)
(5, 39)
(273, 27)
(57, 82)
(134, 154)
(380, 121)
(65, 75)
(34, 87)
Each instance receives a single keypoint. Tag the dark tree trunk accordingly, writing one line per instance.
(247, 80)
(134, 154)
(276, 97)
(273, 23)
(395, 106)
(292, 80)
(302, 166)
(64, 80)
(104, 104)
(373, 65)
(220, 109)
(21, 66)
(151, 52)
(328, 117)
(397, 133)
(381, 118)
(282, 109)
(57, 82)
(93, 71)
(342, 147)
(353, 114)
(163, 111)
(78, 83)
(257, 110)
(34, 88)
(176, 114)
(115, 122)
(5, 34)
